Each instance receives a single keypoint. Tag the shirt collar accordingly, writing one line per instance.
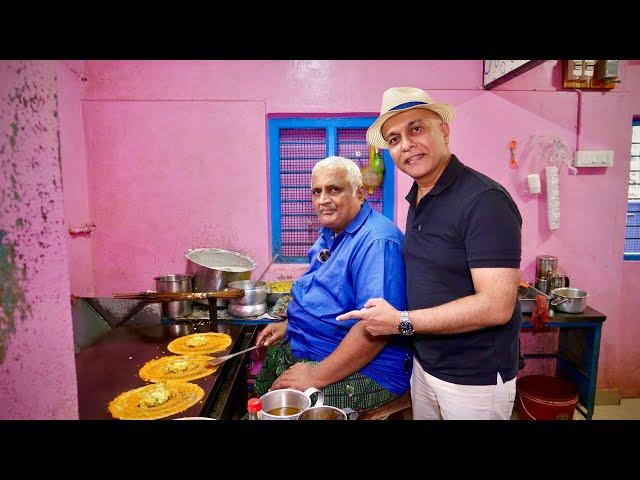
(449, 174)
(354, 225)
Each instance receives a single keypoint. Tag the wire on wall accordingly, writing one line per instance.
(579, 120)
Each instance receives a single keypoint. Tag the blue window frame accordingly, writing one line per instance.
(295, 146)
(632, 231)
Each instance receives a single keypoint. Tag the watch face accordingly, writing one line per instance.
(405, 328)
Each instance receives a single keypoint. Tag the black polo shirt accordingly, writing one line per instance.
(466, 221)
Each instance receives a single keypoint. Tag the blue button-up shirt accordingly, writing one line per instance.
(364, 261)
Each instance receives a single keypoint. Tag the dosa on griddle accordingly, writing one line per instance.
(157, 400)
(177, 367)
(200, 343)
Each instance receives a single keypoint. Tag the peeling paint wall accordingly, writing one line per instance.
(37, 367)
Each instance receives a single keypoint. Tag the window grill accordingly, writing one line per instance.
(300, 149)
(632, 230)
(296, 145)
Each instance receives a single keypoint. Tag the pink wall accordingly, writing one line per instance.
(37, 369)
(177, 158)
(74, 171)
(627, 374)
(169, 176)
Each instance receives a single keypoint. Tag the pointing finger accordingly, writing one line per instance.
(352, 315)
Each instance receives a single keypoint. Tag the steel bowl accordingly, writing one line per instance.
(272, 298)
(247, 310)
(180, 328)
(214, 268)
(277, 290)
(569, 300)
(323, 412)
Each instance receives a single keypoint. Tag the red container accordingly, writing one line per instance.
(543, 397)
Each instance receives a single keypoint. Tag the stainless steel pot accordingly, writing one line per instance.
(247, 310)
(545, 264)
(327, 412)
(175, 283)
(214, 268)
(569, 300)
(557, 280)
(322, 412)
(287, 403)
(254, 292)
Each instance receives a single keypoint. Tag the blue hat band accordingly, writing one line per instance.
(408, 105)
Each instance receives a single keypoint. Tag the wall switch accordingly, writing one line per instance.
(593, 158)
(574, 69)
(588, 69)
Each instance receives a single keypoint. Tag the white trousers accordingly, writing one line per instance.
(435, 399)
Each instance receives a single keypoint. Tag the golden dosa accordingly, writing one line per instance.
(200, 343)
(177, 367)
(157, 400)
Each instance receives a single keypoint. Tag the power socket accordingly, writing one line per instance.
(593, 158)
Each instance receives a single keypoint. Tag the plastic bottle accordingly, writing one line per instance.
(254, 405)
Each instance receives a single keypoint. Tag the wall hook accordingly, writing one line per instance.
(513, 163)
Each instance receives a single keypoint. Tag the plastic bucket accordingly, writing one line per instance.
(543, 397)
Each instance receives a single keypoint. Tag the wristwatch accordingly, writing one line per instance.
(405, 327)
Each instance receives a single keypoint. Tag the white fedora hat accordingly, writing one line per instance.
(400, 99)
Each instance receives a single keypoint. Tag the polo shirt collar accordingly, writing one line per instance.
(355, 224)
(449, 174)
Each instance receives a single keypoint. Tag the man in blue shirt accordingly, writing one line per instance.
(358, 255)
(462, 251)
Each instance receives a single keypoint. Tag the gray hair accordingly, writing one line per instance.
(354, 177)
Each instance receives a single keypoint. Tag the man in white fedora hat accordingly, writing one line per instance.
(462, 250)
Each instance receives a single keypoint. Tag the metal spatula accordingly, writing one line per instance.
(224, 358)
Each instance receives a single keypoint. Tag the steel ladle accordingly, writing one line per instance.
(219, 360)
